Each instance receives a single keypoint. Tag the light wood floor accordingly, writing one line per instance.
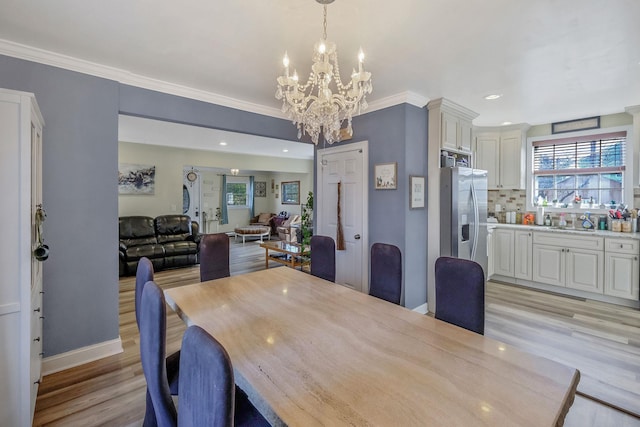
(111, 391)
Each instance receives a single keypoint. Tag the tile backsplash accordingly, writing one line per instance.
(509, 200)
(516, 200)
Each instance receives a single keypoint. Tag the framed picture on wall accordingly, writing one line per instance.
(290, 192)
(386, 176)
(136, 179)
(416, 192)
(260, 189)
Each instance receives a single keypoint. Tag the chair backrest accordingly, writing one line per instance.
(144, 274)
(153, 324)
(386, 272)
(323, 257)
(460, 293)
(207, 388)
(214, 257)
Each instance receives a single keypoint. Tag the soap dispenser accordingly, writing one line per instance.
(547, 220)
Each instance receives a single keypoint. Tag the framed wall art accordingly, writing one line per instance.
(136, 179)
(386, 176)
(260, 189)
(416, 192)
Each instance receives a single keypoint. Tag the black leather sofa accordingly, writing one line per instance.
(168, 241)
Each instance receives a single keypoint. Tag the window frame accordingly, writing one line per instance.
(238, 180)
(628, 173)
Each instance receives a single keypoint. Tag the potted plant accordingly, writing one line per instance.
(306, 226)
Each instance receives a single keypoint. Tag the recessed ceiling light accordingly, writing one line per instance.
(492, 96)
(285, 151)
(506, 123)
(223, 143)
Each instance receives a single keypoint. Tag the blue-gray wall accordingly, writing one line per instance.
(80, 161)
(398, 134)
(80, 157)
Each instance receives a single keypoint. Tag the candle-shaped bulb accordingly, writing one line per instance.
(285, 60)
(361, 56)
(295, 75)
(322, 47)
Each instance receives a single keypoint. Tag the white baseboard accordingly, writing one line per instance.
(422, 309)
(80, 356)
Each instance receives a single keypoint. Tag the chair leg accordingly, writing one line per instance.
(149, 414)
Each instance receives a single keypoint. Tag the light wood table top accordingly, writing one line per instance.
(309, 352)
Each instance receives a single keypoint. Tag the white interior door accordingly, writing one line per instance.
(191, 194)
(345, 165)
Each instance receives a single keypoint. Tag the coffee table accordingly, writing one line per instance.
(252, 231)
(290, 254)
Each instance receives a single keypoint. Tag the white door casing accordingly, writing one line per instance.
(347, 164)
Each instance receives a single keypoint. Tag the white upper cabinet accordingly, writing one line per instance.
(501, 153)
(456, 133)
(455, 128)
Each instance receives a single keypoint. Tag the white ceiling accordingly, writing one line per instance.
(552, 60)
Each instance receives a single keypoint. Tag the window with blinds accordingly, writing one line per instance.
(588, 169)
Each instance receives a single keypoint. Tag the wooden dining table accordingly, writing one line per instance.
(309, 352)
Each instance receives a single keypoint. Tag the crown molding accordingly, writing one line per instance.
(633, 110)
(400, 98)
(42, 56)
(453, 108)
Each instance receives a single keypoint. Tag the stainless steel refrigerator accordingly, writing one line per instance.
(463, 214)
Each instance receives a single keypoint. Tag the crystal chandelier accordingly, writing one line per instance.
(314, 107)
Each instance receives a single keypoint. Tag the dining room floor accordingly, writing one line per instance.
(111, 391)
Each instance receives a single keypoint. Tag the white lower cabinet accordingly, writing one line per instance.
(621, 268)
(606, 266)
(504, 256)
(512, 253)
(523, 265)
(548, 264)
(584, 270)
(575, 263)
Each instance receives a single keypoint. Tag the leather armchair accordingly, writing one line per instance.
(287, 231)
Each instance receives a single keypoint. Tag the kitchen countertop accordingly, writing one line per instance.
(580, 232)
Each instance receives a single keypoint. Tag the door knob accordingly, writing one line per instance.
(357, 237)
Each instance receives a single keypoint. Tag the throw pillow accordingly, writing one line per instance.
(264, 217)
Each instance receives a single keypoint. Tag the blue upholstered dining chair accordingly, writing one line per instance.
(208, 395)
(386, 272)
(206, 381)
(214, 256)
(153, 331)
(460, 293)
(145, 274)
(323, 257)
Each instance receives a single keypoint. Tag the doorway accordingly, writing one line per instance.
(345, 167)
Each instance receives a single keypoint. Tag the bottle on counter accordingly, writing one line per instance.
(547, 220)
(518, 216)
(562, 222)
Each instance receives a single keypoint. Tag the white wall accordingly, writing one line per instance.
(170, 162)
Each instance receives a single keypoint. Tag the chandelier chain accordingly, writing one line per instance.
(324, 32)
